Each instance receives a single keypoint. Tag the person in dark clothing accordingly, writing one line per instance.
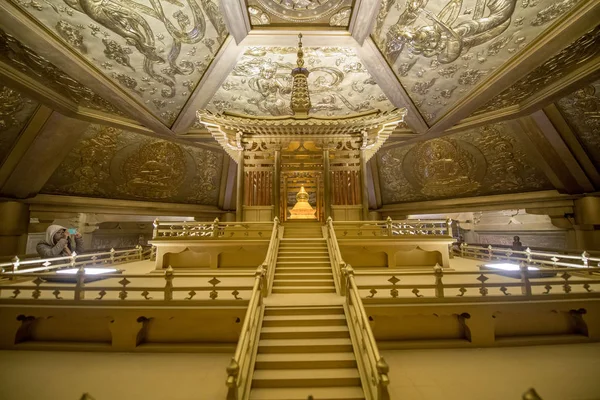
(517, 245)
(59, 243)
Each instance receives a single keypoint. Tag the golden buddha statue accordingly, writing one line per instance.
(302, 209)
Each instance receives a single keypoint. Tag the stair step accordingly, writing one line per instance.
(327, 276)
(304, 332)
(303, 289)
(315, 253)
(318, 393)
(328, 345)
(305, 360)
(307, 263)
(301, 269)
(305, 320)
(302, 257)
(333, 377)
(304, 310)
(279, 282)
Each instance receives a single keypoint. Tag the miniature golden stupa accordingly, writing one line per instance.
(302, 209)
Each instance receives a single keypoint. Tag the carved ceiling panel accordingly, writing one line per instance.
(555, 68)
(155, 50)
(329, 13)
(582, 111)
(16, 55)
(261, 83)
(482, 161)
(15, 112)
(441, 49)
(113, 163)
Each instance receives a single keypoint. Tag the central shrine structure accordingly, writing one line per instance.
(302, 209)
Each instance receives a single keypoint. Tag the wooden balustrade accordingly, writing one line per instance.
(372, 367)
(539, 258)
(479, 285)
(391, 228)
(210, 230)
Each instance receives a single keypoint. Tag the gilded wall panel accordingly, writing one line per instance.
(570, 58)
(440, 50)
(15, 111)
(482, 161)
(113, 163)
(156, 50)
(329, 13)
(261, 83)
(581, 109)
(22, 58)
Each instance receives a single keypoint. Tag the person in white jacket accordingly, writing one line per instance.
(59, 243)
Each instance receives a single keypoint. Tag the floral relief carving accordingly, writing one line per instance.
(165, 42)
(15, 111)
(113, 163)
(457, 42)
(306, 12)
(483, 161)
(261, 83)
(21, 57)
(581, 109)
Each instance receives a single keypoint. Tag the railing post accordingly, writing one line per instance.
(449, 226)
(260, 273)
(585, 258)
(16, 262)
(439, 285)
(382, 383)
(80, 284)
(528, 251)
(139, 251)
(462, 249)
(155, 231)
(341, 267)
(490, 252)
(215, 228)
(388, 224)
(112, 256)
(233, 370)
(153, 253)
(169, 284)
(525, 284)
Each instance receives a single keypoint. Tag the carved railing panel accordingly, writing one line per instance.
(211, 230)
(391, 228)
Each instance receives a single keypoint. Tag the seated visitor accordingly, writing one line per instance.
(517, 245)
(59, 243)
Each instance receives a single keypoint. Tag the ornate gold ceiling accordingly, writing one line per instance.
(482, 161)
(15, 111)
(441, 49)
(113, 163)
(275, 13)
(260, 83)
(581, 109)
(155, 50)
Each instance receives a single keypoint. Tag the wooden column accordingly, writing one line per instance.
(239, 204)
(276, 181)
(285, 190)
(363, 185)
(326, 184)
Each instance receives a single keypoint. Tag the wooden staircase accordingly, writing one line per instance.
(305, 350)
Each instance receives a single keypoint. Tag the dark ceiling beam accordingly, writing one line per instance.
(363, 19)
(18, 24)
(236, 18)
(43, 145)
(211, 81)
(574, 24)
(552, 118)
(390, 85)
(550, 153)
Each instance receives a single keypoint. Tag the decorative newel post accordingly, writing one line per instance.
(155, 231)
(439, 285)
(80, 284)
(525, 284)
(215, 228)
(139, 252)
(388, 224)
(112, 256)
(260, 274)
(449, 227)
(585, 258)
(233, 370)
(349, 274)
(383, 369)
(490, 252)
(462, 249)
(16, 262)
(169, 283)
(528, 251)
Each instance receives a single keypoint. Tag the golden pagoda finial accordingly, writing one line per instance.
(300, 102)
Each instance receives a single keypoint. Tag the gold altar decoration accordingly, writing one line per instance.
(302, 209)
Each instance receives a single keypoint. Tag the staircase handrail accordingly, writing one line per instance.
(373, 368)
(239, 370)
(271, 258)
(336, 257)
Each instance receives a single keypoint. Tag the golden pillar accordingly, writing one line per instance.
(276, 182)
(239, 201)
(326, 184)
(363, 185)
